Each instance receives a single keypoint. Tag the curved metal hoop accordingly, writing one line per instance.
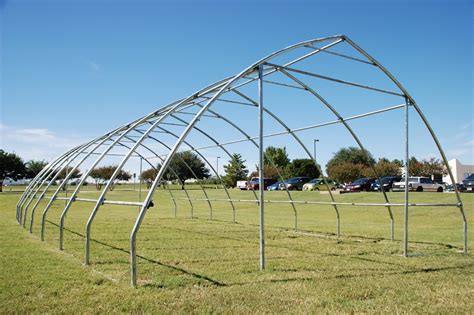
(203, 100)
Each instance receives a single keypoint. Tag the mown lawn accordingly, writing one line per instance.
(202, 266)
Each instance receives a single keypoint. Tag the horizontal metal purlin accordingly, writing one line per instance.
(113, 202)
(342, 55)
(194, 114)
(234, 102)
(303, 128)
(329, 202)
(281, 84)
(333, 79)
(110, 154)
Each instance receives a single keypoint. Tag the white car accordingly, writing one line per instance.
(418, 183)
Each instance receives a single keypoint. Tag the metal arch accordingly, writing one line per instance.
(210, 165)
(86, 145)
(63, 183)
(127, 129)
(167, 186)
(207, 161)
(269, 159)
(55, 172)
(427, 125)
(214, 90)
(46, 172)
(356, 138)
(172, 170)
(338, 225)
(225, 86)
(116, 172)
(30, 185)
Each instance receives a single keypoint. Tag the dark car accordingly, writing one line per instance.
(295, 183)
(275, 186)
(255, 183)
(387, 183)
(460, 187)
(360, 184)
(468, 182)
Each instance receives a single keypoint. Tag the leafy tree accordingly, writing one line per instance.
(102, 174)
(182, 171)
(277, 155)
(235, 170)
(11, 166)
(426, 167)
(351, 155)
(67, 171)
(386, 167)
(34, 167)
(303, 167)
(270, 171)
(347, 172)
(148, 176)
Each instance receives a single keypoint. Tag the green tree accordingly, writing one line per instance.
(186, 165)
(354, 161)
(351, 155)
(386, 167)
(427, 167)
(11, 166)
(235, 170)
(278, 156)
(347, 172)
(67, 171)
(303, 167)
(148, 176)
(33, 167)
(102, 175)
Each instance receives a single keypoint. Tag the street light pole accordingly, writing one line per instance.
(217, 166)
(315, 140)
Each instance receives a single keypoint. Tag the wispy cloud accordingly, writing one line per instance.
(36, 143)
(94, 66)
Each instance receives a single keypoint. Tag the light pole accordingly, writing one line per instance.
(315, 140)
(217, 166)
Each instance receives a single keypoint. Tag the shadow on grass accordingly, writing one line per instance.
(195, 275)
(287, 279)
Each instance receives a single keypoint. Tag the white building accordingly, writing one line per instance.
(460, 171)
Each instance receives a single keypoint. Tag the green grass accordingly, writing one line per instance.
(201, 266)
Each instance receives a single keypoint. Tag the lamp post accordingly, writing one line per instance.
(315, 140)
(217, 166)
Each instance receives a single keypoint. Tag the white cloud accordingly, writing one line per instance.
(94, 66)
(36, 143)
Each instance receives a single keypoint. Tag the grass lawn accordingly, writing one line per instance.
(202, 266)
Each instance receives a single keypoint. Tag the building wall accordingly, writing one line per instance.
(460, 171)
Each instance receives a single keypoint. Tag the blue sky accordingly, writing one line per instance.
(72, 70)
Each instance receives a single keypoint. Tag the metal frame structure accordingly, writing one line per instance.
(152, 127)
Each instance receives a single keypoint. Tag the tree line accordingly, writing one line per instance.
(346, 165)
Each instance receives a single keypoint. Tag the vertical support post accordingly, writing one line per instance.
(140, 182)
(407, 173)
(65, 178)
(260, 167)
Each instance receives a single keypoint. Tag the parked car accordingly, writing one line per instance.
(361, 184)
(254, 183)
(295, 183)
(468, 182)
(275, 186)
(387, 183)
(460, 187)
(318, 184)
(418, 183)
(242, 184)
